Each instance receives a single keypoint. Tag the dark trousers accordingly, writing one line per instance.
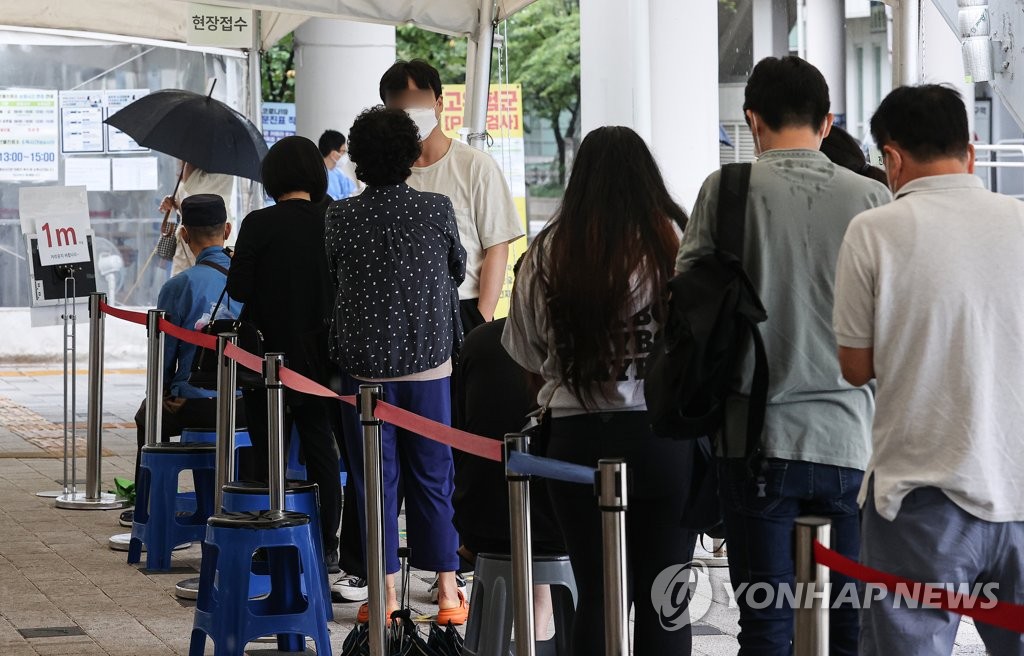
(350, 547)
(425, 469)
(311, 416)
(469, 313)
(759, 535)
(660, 470)
(195, 413)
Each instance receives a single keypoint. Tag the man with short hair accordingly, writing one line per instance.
(333, 147)
(928, 303)
(484, 209)
(816, 430)
(190, 300)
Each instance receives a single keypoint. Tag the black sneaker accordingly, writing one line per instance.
(349, 588)
(127, 518)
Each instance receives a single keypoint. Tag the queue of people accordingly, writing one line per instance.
(908, 301)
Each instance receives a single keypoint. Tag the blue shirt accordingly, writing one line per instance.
(339, 185)
(189, 299)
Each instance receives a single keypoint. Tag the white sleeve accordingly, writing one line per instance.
(853, 316)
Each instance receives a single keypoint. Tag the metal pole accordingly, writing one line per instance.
(906, 68)
(93, 498)
(522, 543)
(254, 199)
(275, 428)
(373, 475)
(481, 78)
(154, 377)
(810, 629)
(227, 382)
(613, 501)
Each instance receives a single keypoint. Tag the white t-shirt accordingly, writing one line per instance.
(484, 209)
(934, 282)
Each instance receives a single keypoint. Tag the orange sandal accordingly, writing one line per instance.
(456, 616)
(363, 617)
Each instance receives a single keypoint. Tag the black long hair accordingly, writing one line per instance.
(611, 243)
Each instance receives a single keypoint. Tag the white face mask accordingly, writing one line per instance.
(424, 118)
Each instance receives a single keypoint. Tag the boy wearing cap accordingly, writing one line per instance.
(190, 300)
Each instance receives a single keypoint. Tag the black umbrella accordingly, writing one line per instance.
(194, 128)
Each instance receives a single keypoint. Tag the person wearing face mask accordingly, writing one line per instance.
(333, 149)
(484, 209)
(817, 428)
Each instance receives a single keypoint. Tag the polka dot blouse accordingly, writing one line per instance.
(395, 255)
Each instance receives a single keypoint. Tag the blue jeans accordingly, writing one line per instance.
(759, 536)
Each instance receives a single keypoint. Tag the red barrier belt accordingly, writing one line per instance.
(244, 358)
(300, 383)
(457, 439)
(1003, 614)
(190, 336)
(124, 315)
(453, 437)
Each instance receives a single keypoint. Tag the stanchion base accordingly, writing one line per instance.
(187, 589)
(50, 495)
(121, 541)
(80, 501)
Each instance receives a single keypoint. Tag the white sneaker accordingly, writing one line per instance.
(460, 580)
(349, 588)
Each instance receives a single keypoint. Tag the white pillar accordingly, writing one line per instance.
(338, 65)
(771, 29)
(672, 101)
(906, 42)
(825, 37)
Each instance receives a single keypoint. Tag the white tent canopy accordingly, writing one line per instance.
(166, 20)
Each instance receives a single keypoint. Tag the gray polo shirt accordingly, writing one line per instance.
(798, 209)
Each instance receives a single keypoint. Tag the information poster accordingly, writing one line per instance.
(81, 121)
(115, 100)
(135, 173)
(278, 121)
(28, 135)
(60, 217)
(508, 148)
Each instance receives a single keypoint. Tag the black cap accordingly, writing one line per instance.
(203, 210)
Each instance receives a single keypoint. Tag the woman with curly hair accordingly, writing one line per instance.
(396, 258)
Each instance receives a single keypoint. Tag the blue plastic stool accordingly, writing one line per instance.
(224, 611)
(187, 500)
(299, 497)
(157, 523)
(296, 470)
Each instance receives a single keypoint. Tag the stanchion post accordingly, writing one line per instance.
(227, 382)
(373, 474)
(154, 376)
(93, 498)
(810, 630)
(522, 541)
(613, 499)
(272, 364)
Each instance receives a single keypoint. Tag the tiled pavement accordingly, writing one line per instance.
(63, 591)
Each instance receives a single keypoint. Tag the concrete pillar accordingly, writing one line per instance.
(825, 40)
(638, 71)
(771, 29)
(338, 65)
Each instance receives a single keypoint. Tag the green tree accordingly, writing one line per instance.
(278, 71)
(543, 55)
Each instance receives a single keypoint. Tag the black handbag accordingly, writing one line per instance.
(204, 365)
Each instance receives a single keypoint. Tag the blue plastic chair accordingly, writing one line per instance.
(225, 613)
(157, 522)
(299, 497)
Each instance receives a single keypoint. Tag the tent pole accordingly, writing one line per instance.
(253, 199)
(480, 79)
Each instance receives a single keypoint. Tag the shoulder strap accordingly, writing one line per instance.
(757, 403)
(220, 299)
(732, 208)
